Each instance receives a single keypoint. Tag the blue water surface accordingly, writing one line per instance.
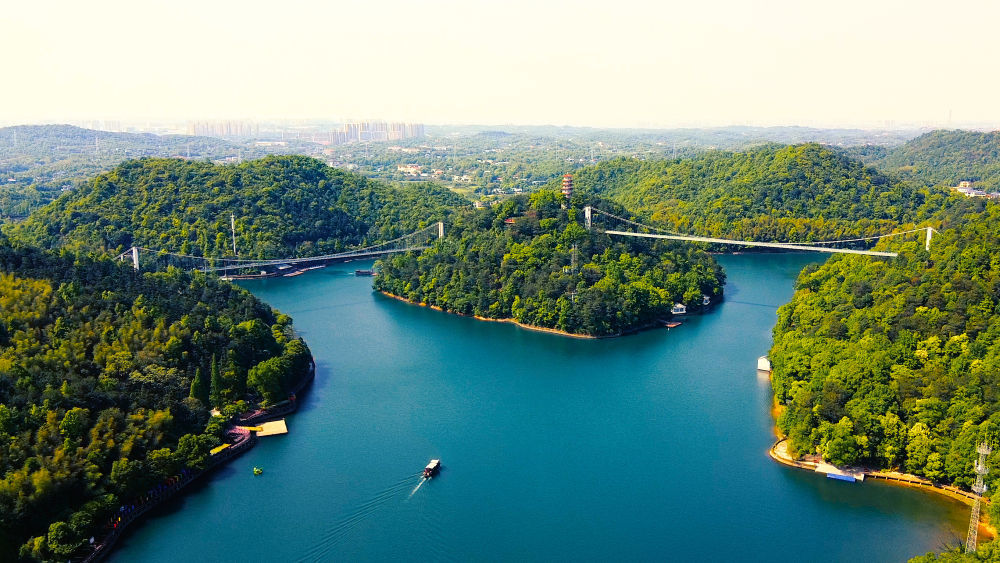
(647, 447)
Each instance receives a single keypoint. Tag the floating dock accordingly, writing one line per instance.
(272, 428)
(839, 474)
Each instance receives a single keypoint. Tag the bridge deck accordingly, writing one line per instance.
(783, 245)
(309, 259)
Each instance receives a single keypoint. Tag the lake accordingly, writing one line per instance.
(647, 447)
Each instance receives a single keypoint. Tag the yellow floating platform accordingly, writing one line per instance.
(272, 428)
(218, 449)
(251, 428)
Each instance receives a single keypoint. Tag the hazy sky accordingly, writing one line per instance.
(608, 63)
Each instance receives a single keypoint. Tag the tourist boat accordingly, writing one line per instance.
(364, 272)
(432, 468)
(257, 471)
(764, 364)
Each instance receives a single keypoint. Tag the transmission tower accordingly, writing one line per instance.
(979, 488)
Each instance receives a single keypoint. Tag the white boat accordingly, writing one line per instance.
(763, 364)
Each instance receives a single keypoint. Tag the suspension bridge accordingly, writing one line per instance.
(234, 267)
(417, 240)
(657, 233)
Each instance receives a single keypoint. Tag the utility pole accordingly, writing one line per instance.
(979, 488)
(232, 225)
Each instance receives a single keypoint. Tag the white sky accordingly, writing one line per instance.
(598, 63)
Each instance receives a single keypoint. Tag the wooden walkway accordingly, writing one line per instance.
(240, 440)
(779, 453)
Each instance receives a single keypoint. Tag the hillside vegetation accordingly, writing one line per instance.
(38, 162)
(792, 193)
(946, 158)
(106, 378)
(896, 363)
(523, 270)
(284, 206)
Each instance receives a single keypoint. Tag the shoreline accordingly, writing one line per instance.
(779, 453)
(506, 321)
(520, 324)
(244, 441)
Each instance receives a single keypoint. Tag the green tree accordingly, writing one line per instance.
(200, 387)
(216, 384)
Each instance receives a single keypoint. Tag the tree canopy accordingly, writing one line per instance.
(944, 158)
(800, 193)
(97, 393)
(284, 206)
(895, 363)
(515, 260)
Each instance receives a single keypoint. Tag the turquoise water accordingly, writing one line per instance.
(648, 447)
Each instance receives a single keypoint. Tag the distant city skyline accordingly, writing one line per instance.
(630, 64)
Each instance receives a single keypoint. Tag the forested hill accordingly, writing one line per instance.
(796, 193)
(896, 363)
(106, 378)
(515, 261)
(946, 158)
(37, 162)
(284, 205)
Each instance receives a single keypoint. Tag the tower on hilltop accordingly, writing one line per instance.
(567, 185)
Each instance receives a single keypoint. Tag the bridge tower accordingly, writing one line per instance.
(979, 488)
(927, 242)
(586, 216)
(232, 226)
(135, 258)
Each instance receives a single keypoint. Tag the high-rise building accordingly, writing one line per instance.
(376, 131)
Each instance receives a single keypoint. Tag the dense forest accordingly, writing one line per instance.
(895, 363)
(284, 205)
(39, 162)
(515, 261)
(943, 158)
(799, 193)
(987, 553)
(106, 378)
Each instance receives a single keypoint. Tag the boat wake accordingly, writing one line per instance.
(343, 526)
(420, 484)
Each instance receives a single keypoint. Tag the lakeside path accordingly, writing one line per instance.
(779, 453)
(242, 440)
